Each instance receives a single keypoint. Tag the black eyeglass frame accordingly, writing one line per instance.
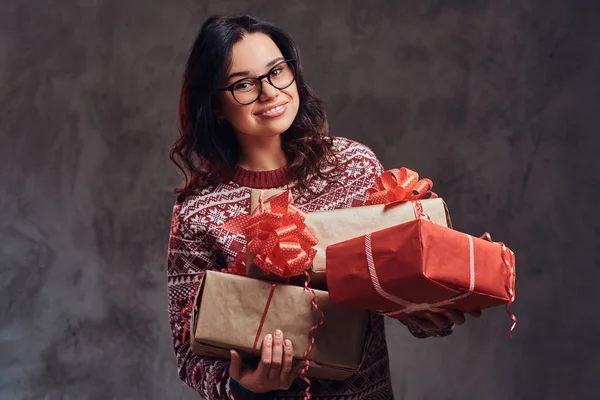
(290, 62)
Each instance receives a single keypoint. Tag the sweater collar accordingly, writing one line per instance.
(261, 179)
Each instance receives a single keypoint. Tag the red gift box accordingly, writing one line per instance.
(418, 266)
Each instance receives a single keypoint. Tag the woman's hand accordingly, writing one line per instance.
(437, 321)
(274, 371)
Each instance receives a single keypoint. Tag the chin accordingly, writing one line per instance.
(273, 128)
(274, 131)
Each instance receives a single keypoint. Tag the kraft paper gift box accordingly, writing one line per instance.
(339, 225)
(229, 309)
(419, 266)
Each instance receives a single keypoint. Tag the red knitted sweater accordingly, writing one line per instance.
(197, 244)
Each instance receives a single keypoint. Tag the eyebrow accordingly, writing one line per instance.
(245, 73)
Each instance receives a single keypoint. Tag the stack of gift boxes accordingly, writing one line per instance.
(318, 276)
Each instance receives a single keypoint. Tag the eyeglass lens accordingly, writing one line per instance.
(248, 90)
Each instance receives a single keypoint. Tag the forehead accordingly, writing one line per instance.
(253, 52)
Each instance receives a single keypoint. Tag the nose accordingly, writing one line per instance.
(268, 91)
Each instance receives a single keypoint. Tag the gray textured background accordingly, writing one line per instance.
(497, 101)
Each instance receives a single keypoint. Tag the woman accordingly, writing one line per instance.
(249, 120)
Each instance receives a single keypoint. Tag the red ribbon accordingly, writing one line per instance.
(311, 338)
(420, 211)
(263, 317)
(238, 266)
(507, 256)
(279, 238)
(399, 185)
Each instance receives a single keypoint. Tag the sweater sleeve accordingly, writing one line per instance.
(413, 329)
(191, 252)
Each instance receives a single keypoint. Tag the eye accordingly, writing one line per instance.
(244, 86)
(276, 71)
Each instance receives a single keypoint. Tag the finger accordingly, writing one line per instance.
(423, 323)
(277, 356)
(288, 358)
(235, 366)
(439, 320)
(455, 316)
(475, 314)
(265, 357)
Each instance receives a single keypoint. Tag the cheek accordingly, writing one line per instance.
(241, 121)
(293, 93)
(235, 112)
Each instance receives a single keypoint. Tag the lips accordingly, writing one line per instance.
(271, 107)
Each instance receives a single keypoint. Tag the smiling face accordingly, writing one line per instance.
(275, 109)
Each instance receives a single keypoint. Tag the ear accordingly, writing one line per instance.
(219, 116)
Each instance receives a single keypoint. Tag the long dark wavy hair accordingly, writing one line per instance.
(207, 152)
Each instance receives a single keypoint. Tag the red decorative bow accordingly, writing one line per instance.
(282, 243)
(399, 185)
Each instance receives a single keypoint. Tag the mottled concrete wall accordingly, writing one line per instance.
(495, 100)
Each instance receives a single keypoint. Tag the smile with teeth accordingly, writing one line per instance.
(274, 109)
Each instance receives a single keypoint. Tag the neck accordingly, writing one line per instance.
(261, 153)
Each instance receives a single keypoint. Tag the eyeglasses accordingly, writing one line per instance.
(248, 90)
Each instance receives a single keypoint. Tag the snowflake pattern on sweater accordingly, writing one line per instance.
(197, 244)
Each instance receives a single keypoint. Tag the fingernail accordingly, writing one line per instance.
(278, 333)
(287, 342)
(269, 337)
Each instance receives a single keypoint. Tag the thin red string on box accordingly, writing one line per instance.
(420, 211)
(263, 317)
(186, 312)
(261, 202)
(311, 337)
(307, 394)
(506, 258)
